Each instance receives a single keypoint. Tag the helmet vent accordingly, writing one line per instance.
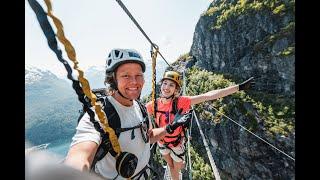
(132, 54)
(109, 62)
(116, 52)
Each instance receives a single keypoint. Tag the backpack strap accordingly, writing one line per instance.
(113, 116)
(144, 113)
(143, 109)
(155, 114)
(115, 123)
(100, 93)
(174, 108)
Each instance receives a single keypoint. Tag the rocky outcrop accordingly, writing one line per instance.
(249, 38)
(240, 155)
(237, 153)
(240, 39)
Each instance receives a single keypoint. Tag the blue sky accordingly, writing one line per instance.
(94, 27)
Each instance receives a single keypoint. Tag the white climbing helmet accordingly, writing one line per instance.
(120, 56)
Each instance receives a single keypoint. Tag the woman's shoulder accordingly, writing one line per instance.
(148, 104)
(184, 100)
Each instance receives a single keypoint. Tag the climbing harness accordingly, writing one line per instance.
(176, 138)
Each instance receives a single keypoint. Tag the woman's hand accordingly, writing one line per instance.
(179, 120)
(247, 84)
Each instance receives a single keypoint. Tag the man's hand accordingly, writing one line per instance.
(247, 84)
(179, 120)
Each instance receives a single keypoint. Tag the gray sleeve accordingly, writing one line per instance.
(86, 131)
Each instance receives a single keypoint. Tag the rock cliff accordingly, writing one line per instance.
(249, 38)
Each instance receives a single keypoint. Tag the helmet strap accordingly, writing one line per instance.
(116, 87)
(167, 97)
(123, 95)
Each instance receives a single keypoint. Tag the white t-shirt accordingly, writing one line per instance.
(129, 117)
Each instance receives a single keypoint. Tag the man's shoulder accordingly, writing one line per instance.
(113, 102)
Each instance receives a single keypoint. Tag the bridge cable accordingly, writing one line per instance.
(255, 135)
(188, 131)
(139, 27)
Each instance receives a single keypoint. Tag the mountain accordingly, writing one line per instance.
(245, 38)
(51, 107)
(234, 40)
(95, 76)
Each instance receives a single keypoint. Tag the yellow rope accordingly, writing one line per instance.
(153, 96)
(84, 82)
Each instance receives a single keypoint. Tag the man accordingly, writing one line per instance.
(125, 79)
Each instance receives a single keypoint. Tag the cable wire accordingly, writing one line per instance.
(255, 135)
(139, 27)
(213, 165)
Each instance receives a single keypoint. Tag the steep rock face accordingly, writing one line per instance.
(240, 155)
(244, 38)
(249, 38)
(237, 153)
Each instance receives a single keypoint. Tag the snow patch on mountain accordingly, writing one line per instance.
(34, 74)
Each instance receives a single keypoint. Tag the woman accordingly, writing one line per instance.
(170, 105)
